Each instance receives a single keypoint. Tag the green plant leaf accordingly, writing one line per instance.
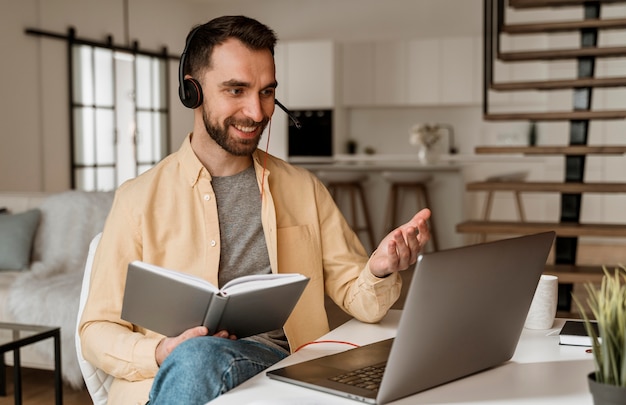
(607, 304)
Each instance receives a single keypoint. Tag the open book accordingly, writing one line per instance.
(170, 302)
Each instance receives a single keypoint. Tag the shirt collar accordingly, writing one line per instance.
(189, 162)
(193, 169)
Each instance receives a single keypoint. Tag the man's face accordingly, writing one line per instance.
(238, 93)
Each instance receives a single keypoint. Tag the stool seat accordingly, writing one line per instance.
(407, 177)
(349, 184)
(340, 177)
(407, 181)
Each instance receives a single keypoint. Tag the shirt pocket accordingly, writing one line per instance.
(299, 251)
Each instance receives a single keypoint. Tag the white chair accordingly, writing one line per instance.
(96, 380)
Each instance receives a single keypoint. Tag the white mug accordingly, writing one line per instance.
(543, 307)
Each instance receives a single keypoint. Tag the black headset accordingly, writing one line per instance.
(189, 90)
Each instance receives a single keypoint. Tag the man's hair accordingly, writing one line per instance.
(203, 38)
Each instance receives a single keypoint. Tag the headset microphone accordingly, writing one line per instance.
(289, 114)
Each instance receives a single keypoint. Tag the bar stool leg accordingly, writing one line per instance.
(433, 235)
(366, 215)
(391, 212)
(520, 207)
(353, 190)
(486, 213)
(355, 197)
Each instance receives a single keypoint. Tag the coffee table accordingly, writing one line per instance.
(14, 336)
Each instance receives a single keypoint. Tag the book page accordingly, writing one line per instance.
(177, 275)
(258, 282)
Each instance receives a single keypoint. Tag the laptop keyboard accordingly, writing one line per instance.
(367, 377)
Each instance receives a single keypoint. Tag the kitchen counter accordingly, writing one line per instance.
(380, 165)
(404, 161)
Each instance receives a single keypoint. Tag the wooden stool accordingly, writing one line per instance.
(407, 181)
(509, 177)
(350, 184)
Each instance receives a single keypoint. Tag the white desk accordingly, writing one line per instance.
(540, 372)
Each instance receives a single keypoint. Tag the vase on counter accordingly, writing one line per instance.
(427, 139)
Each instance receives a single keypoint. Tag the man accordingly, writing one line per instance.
(220, 208)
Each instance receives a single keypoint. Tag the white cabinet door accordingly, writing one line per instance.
(310, 81)
(357, 74)
(459, 71)
(280, 59)
(390, 73)
(374, 73)
(424, 71)
(435, 71)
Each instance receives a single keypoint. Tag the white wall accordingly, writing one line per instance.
(34, 134)
(347, 20)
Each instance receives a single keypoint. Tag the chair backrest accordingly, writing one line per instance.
(96, 380)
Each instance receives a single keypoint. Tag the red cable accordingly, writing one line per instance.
(326, 341)
(267, 148)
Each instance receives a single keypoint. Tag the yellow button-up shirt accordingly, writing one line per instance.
(168, 216)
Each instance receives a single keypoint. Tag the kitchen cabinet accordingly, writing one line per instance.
(390, 73)
(460, 71)
(423, 83)
(436, 71)
(375, 73)
(306, 74)
(357, 73)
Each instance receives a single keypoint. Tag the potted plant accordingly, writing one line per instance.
(607, 304)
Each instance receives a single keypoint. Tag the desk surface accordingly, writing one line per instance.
(540, 372)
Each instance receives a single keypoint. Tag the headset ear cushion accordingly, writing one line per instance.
(193, 93)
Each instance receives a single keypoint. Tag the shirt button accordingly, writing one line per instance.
(207, 197)
(213, 243)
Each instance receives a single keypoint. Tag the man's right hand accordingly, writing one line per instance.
(168, 344)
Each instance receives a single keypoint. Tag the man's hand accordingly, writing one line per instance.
(400, 248)
(168, 344)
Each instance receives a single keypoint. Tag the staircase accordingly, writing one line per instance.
(585, 57)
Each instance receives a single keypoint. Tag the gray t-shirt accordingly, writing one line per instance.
(243, 249)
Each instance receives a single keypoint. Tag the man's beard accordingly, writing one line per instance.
(236, 147)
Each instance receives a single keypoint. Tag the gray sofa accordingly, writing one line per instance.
(44, 241)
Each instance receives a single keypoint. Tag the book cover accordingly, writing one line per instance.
(170, 302)
(574, 333)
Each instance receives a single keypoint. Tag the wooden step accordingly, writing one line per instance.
(563, 26)
(576, 273)
(542, 187)
(557, 3)
(557, 116)
(560, 84)
(523, 228)
(560, 54)
(577, 150)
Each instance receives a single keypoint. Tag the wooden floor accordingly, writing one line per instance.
(38, 389)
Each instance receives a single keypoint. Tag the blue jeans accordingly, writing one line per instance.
(202, 368)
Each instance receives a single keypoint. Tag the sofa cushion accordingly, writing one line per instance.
(17, 232)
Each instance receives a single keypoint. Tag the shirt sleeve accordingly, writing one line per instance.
(348, 279)
(108, 342)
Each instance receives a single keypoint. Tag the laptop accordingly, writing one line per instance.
(464, 313)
